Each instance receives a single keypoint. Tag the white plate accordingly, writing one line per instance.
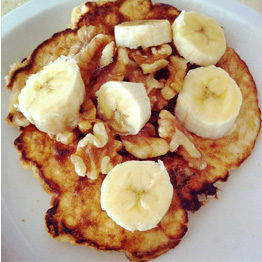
(225, 230)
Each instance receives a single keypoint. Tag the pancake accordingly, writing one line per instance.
(75, 214)
(106, 14)
(226, 153)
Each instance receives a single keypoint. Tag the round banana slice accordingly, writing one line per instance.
(51, 98)
(144, 33)
(209, 102)
(125, 105)
(137, 194)
(198, 38)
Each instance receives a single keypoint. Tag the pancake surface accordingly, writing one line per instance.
(75, 214)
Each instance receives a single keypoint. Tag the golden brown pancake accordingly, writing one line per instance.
(106, 14)
(75, 214)
(227, 153)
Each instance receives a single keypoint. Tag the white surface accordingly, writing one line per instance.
(228, 229)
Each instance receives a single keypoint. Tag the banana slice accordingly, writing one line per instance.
(198, 38)
(209, 102)
(125, 105)
(144, 33)
(51, 98)
(137, 194)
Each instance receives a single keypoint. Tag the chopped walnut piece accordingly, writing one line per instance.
(98, 152)
(152, 60)
(106, 165)
(79, 164)
(145, 144)
(107, 54)
(157, 100)
(153, 88)
(152, 83)
(138, 77)
(66, 137)
(161, 51)
(113, 72)
(177, 68)
(84, 126)
(150, 55)
(148, 80)
(98, 139)
(131, 67)
(84, 34)
(179, 140)
(88, 58)
(87, 116)
(153, 67)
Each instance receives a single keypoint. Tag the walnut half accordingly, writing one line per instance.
(97, 153)
(180, 140)
(145, 144)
